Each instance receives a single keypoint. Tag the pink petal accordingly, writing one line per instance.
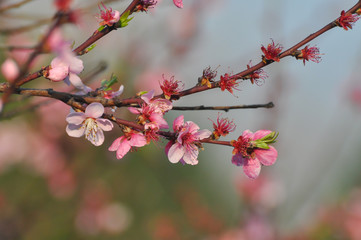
(59, 70)
(119, 92)
(167, 147)
(115, 144)
(94, 110)
(252, 168)
(75, 130)
(123, 148)
(175, 152)
(178, 123)
(75, 65)
(116, 16)
(247, 134)
(159, 120)
(161, 105)
(147, 96)
(10, 69)
(104, 124)
(137, 140)
(201, 134)
(266, 156)
(191, 155)
(260, 134)
(134, 110)
(178, 3)
(192, 127)
(75, 118)
(76, 81)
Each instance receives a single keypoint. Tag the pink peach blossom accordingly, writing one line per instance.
(89, 123)
(184, 148)
(108, 16)
(124, 143)
(252, 149)
(152, 110)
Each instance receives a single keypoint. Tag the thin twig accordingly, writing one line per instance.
(223, 108)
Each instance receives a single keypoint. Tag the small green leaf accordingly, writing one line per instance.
(262, 145)
(101, 28)
(124, 20)
(106, 84)
(88, 49)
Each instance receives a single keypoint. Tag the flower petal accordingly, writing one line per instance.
(247, 134)
(75, 118)
(147, 96)
(99, 138)
(175, 152)
(134, 110)
(159, 120)
(75, 130)
(115, 144)
(94, 110)
(104, 124)
(168, 146)
(238, 160)
(123, 148)
(201, 134)
(75, 65)
(137, 140)
(192, 127)
(178, 123)
(266, 156)
(76, 81)
(252, 168)
(59, 70)
(191, 155)
(260, 134)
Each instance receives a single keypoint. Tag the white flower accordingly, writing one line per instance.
(89, 123)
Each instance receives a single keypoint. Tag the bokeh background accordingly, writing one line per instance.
(53, 186)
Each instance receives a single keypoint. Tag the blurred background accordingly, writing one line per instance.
(53, 186)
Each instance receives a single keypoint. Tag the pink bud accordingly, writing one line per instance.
(10, 70)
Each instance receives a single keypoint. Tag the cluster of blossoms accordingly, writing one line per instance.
(250, 150)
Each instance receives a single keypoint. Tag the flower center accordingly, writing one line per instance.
(91, 129)
(244, 147)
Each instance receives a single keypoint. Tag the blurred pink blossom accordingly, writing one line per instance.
(10, 69)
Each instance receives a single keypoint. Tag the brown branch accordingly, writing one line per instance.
(223, 108)
(18, 30)
(262, 64)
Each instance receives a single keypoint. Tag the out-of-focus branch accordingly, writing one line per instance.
(15, 5)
